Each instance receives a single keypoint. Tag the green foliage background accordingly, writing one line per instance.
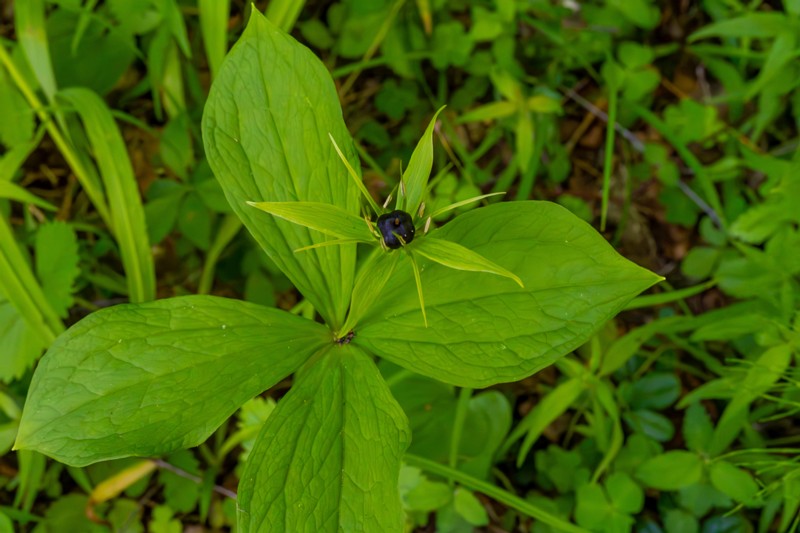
(670, 127)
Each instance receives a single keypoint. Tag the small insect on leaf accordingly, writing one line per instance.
(396, 228)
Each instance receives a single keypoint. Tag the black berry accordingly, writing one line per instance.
(394, 224)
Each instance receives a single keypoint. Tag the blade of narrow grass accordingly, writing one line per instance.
(463, 203)
(230, 226)
(717, 215)
(19, 285)
(284, 13)
(214, 26)
(30, 27)
(356, 178)
(13, 191)
(13, 159)
(83, 173)
(424, 8)
(649, 300)
(503, 496)
(123, 193)
(83, 24)
(373, 47)
(608, 161)
(344, 70)
(418, 280)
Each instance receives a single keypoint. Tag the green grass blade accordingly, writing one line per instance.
(284, 13)
(83, 173)
(12, 160)
(503, 496)
(83, 24)
(30, 26)
(123, 192)
(462, 203)
(20, 287)
(417, 278)
(608, 162)
(214, 25)
(649, 300)
(707, 186)
(356, 178)
(15, 192)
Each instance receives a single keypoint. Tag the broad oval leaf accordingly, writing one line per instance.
(148, 379)
(671, 470)
(484, 329)
(265, 129)
(335, 442)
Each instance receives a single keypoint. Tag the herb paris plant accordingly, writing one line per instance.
(147, 379)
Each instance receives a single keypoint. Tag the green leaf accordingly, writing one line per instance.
(57, 264)
(30, 25)
(626, 495)
(180, 493)
(15, 192)
(428, 496)
(543, 414)
(484, 329)
(733, 481)
(491, 111)
(761, 377)
(488, 421)
(22, 345)
(671, 470)
(758, 25)
(697, 428)
(19, 286)
(17, 129)
(419, 169)
(214, 26)
(592, 507)
(470, 507)
(98, 60)
(121, 188)
(326, 218)
(457, 257)
(335, 443)
(148, 379)
(265, 130)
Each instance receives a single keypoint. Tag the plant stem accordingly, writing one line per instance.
(608, 161)
(462, 407)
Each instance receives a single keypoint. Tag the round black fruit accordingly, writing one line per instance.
(394, 224)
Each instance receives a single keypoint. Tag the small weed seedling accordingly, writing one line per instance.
(508, 289)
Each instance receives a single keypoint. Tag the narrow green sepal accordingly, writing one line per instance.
(417, 278)
(462, 203)
(458, 257)
(356, 177)
(326, 218)
(415, 178)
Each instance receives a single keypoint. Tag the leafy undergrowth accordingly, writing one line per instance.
(671, 128)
